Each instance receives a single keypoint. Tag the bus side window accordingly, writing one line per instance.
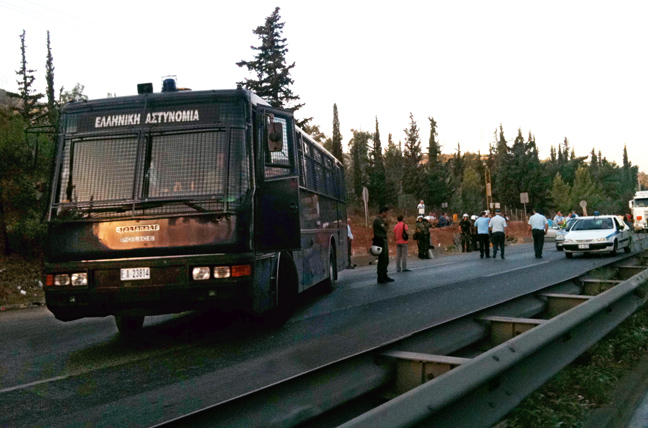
(279, 163)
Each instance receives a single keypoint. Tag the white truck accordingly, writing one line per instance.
(639, 207)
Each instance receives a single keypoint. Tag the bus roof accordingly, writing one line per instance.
(180, 96)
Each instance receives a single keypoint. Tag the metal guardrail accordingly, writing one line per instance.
(482, 391)
(478, 392)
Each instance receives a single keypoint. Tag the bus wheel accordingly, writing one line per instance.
(287, 290)
(129, 325)
(330, 283)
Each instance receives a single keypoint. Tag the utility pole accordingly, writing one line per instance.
(489, 190)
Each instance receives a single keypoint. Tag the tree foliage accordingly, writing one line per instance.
(336, 137)
(272, 80)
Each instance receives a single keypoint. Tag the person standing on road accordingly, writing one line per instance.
(464, 228)
(559, 220)
(538, 226)
(423, 237)
(380, 239)
(349, 241)
(400, 233)
(498, 226)
(482, 235)
(421, 208)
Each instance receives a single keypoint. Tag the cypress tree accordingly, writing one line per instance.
(412, 183)
(336, 136)
(26, 93)
(52, 111)
(377, 170)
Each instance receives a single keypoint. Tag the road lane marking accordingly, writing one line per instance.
(38, 382)
(513, 270)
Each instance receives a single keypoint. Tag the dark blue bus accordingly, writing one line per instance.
(182, 200)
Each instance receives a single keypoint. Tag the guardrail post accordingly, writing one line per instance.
(559, 303)
(593, 287)
(414, 369)
(627, 271)
(506, 328)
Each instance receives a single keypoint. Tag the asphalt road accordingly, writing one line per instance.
(82, 373)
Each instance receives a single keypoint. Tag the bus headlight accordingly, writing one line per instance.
(79, 279)
(222, 272)
(62, 279)
(201, 273)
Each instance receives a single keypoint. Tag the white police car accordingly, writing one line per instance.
(597, 234)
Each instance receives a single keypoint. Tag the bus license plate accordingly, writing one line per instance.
(583, 246)
(133, 274)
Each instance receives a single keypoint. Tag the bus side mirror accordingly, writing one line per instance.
(275, 137)
(631, 204)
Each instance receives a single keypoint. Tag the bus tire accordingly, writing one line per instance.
(287, 290)
(330, 283)
(129, 325)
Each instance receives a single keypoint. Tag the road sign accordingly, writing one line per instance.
(524, 198)
(444, 205)
(583, 204)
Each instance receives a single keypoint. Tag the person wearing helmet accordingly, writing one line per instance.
(380, 240)
(464, 229)
(473, 233)
(423, 237)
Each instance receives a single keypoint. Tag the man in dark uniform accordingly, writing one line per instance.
(380, 239)
(464, 228)
(423, 231)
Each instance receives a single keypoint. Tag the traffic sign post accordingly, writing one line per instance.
(583, 205)
(365, 199)
(524, 198)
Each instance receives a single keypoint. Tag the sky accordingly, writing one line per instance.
(558, 69)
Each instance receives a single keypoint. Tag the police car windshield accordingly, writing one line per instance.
(593, 224)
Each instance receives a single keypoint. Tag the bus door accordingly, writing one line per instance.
(277, 211)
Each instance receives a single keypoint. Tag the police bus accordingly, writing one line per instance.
(180, 200)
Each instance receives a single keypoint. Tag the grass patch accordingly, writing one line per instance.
(20, 281)
(566, 400)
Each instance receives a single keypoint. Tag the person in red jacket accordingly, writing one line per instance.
(400, 232)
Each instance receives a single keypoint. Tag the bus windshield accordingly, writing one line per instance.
(641, 203)
(211, 167)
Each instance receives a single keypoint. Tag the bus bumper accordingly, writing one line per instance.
(170, 288)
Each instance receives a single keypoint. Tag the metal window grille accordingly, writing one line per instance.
(187, 165)
(97, 170)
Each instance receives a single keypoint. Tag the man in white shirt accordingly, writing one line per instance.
(349, 242)
(559, 220)
(538, 226)
(497, 226)
(421, 208)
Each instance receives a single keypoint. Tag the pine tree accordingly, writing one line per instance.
(561, 195)
(272, 76)
(584, 189)
(412, 177)
(336, 136)
(26, 93)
